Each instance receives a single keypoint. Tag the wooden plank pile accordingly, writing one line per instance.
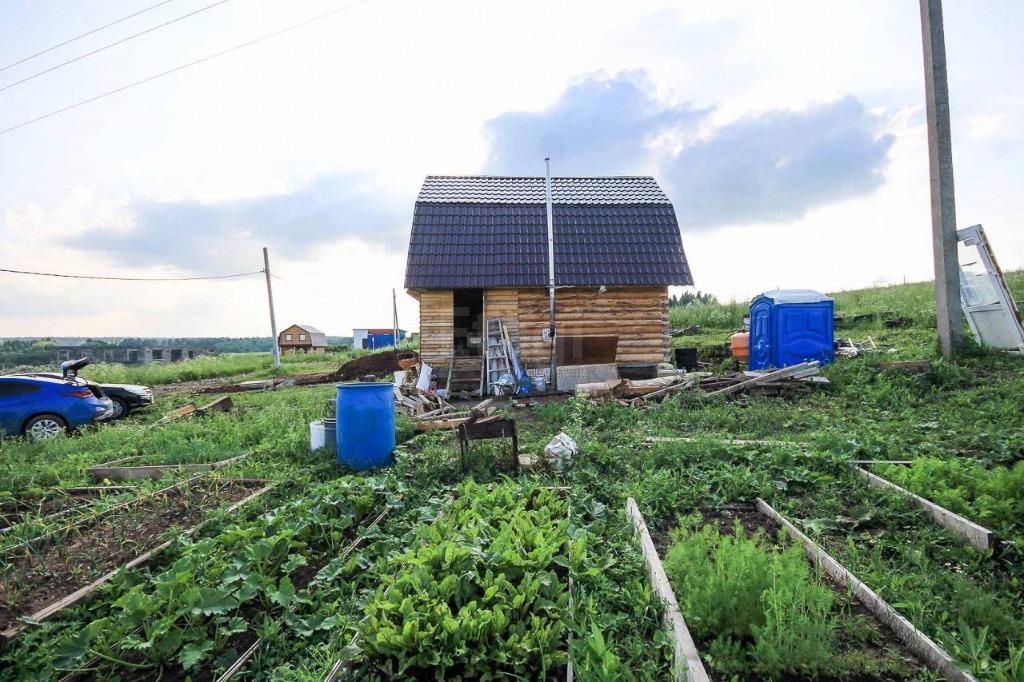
(794, 380)
(191, 410)
(449, 417)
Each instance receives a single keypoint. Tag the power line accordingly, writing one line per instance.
(320, 294)
(184, 66)
(132, 279)
(82, 35)
(110, 45)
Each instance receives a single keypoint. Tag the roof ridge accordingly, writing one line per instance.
(540, 177)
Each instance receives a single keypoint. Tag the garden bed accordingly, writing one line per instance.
(44, 573)
(226, 589)
(757, 609)
(485, 591)
(973, 534)
(55, 504)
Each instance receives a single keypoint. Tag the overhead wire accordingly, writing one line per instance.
(110, 45)
(132, 279)
(181, 67)
(83, 35)
(320, 294)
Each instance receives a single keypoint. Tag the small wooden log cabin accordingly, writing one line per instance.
(302, 337)
(479, 250)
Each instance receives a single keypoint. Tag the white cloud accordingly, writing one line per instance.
(397, 89)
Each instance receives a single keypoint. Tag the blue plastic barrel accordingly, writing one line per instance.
(366, 425)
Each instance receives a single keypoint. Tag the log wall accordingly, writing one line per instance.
(504, 304)
(437, 326)
(637, 315)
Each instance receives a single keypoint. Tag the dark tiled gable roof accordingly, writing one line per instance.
(483, 232)
(494, 189)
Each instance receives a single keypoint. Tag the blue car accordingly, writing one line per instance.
(44, 407)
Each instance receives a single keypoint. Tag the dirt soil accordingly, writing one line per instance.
(884, 644)
(55, 569)
(57, 504)
(376, 364)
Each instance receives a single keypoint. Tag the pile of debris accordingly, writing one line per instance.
(375, 365)
(794, 380)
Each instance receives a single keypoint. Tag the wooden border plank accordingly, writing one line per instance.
(881, 461)
(934, 657)
(687, 664)
(114, 471)
(973, 534)
(651, 440)
(78, 595)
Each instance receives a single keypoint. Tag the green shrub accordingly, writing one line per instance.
(757, 607)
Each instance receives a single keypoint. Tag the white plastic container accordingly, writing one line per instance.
(317, 439)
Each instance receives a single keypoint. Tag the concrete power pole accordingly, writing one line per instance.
(940, 165)
(270, 299)
(394, 315)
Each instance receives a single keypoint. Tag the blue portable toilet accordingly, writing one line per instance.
(790, 326)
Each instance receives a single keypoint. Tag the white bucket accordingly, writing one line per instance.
(317, 439)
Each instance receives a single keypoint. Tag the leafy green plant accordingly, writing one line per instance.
(481, 593)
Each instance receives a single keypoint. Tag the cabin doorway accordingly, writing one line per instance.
(468, 312)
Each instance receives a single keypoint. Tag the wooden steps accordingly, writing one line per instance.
(465, 375)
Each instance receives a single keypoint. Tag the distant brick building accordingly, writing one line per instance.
(130, 355)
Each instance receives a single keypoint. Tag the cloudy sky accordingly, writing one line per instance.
(790, 136)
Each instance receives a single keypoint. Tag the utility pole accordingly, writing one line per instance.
(940, 166)
(270, 300)
(394, 311)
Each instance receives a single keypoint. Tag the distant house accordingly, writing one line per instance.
(376, 338)
(479, 250)
(302, 337)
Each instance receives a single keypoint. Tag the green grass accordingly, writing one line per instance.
(258, 365)
(962, 421)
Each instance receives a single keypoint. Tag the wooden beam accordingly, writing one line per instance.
(919, 643)
(687, 664)
(440, 424)
(118, 471)
(968, 531)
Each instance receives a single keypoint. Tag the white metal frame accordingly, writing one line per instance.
(1004, 303)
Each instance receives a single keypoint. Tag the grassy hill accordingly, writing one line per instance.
(914, 302)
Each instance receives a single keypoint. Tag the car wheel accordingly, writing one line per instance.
(121, 408)
(45, 426)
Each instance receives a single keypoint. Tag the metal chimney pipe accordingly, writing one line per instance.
(551, 271)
